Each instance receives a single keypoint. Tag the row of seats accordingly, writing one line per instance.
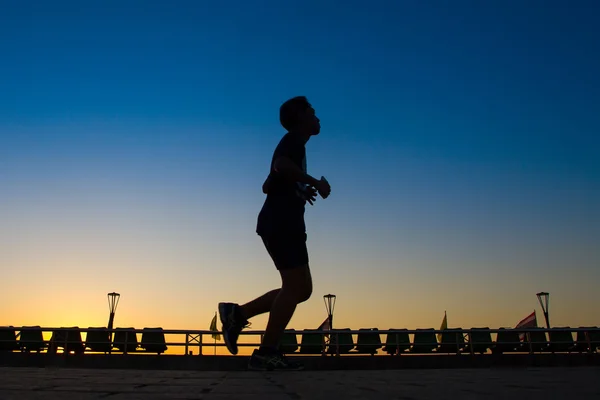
(368, 341)
(69, 339)
(451, 341)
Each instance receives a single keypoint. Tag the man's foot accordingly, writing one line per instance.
(233, 323)
(262, 360)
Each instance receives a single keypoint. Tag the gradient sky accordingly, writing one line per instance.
(461, 142)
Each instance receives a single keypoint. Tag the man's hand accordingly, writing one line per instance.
(311, 194)
(323, 187)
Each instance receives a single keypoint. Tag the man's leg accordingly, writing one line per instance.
(290, 256)
(235, 317)
(296, 288)
(259, 305)
(274, 301)
(291, 259)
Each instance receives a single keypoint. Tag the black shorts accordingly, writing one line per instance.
(287, 250)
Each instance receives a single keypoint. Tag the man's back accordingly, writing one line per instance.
(283, 209)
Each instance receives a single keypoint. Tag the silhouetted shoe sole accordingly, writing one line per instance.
(223, 314)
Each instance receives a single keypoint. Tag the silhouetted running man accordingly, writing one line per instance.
(281, 226)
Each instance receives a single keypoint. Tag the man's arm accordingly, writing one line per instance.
(288, 169)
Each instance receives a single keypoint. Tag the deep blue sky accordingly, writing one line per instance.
(460, 138)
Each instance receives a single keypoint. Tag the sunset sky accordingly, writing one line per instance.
(461, 140)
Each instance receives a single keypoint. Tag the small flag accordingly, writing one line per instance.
(529, 321)
(213, 327)
(325, 326)
(444, 326)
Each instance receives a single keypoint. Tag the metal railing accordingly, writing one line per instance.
(70, 337)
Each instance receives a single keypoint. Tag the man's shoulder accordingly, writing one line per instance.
(290, 142)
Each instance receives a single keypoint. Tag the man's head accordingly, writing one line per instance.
(297, 115)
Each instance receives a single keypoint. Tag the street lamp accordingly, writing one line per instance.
(544, 299)
(329, 300)
(113, 301)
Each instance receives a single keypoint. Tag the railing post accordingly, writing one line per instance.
(456, 342)
(470, 333)
(66, 348)
(200, 344)
(589, 341)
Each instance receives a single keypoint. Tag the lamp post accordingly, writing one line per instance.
(329, 300)
(544, 299)
(113, 301)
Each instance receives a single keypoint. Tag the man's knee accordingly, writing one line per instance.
(299, 282)
(305, 293)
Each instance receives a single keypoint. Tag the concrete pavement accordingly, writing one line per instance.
(481, 383)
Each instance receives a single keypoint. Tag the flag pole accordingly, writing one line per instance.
(215, 346)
